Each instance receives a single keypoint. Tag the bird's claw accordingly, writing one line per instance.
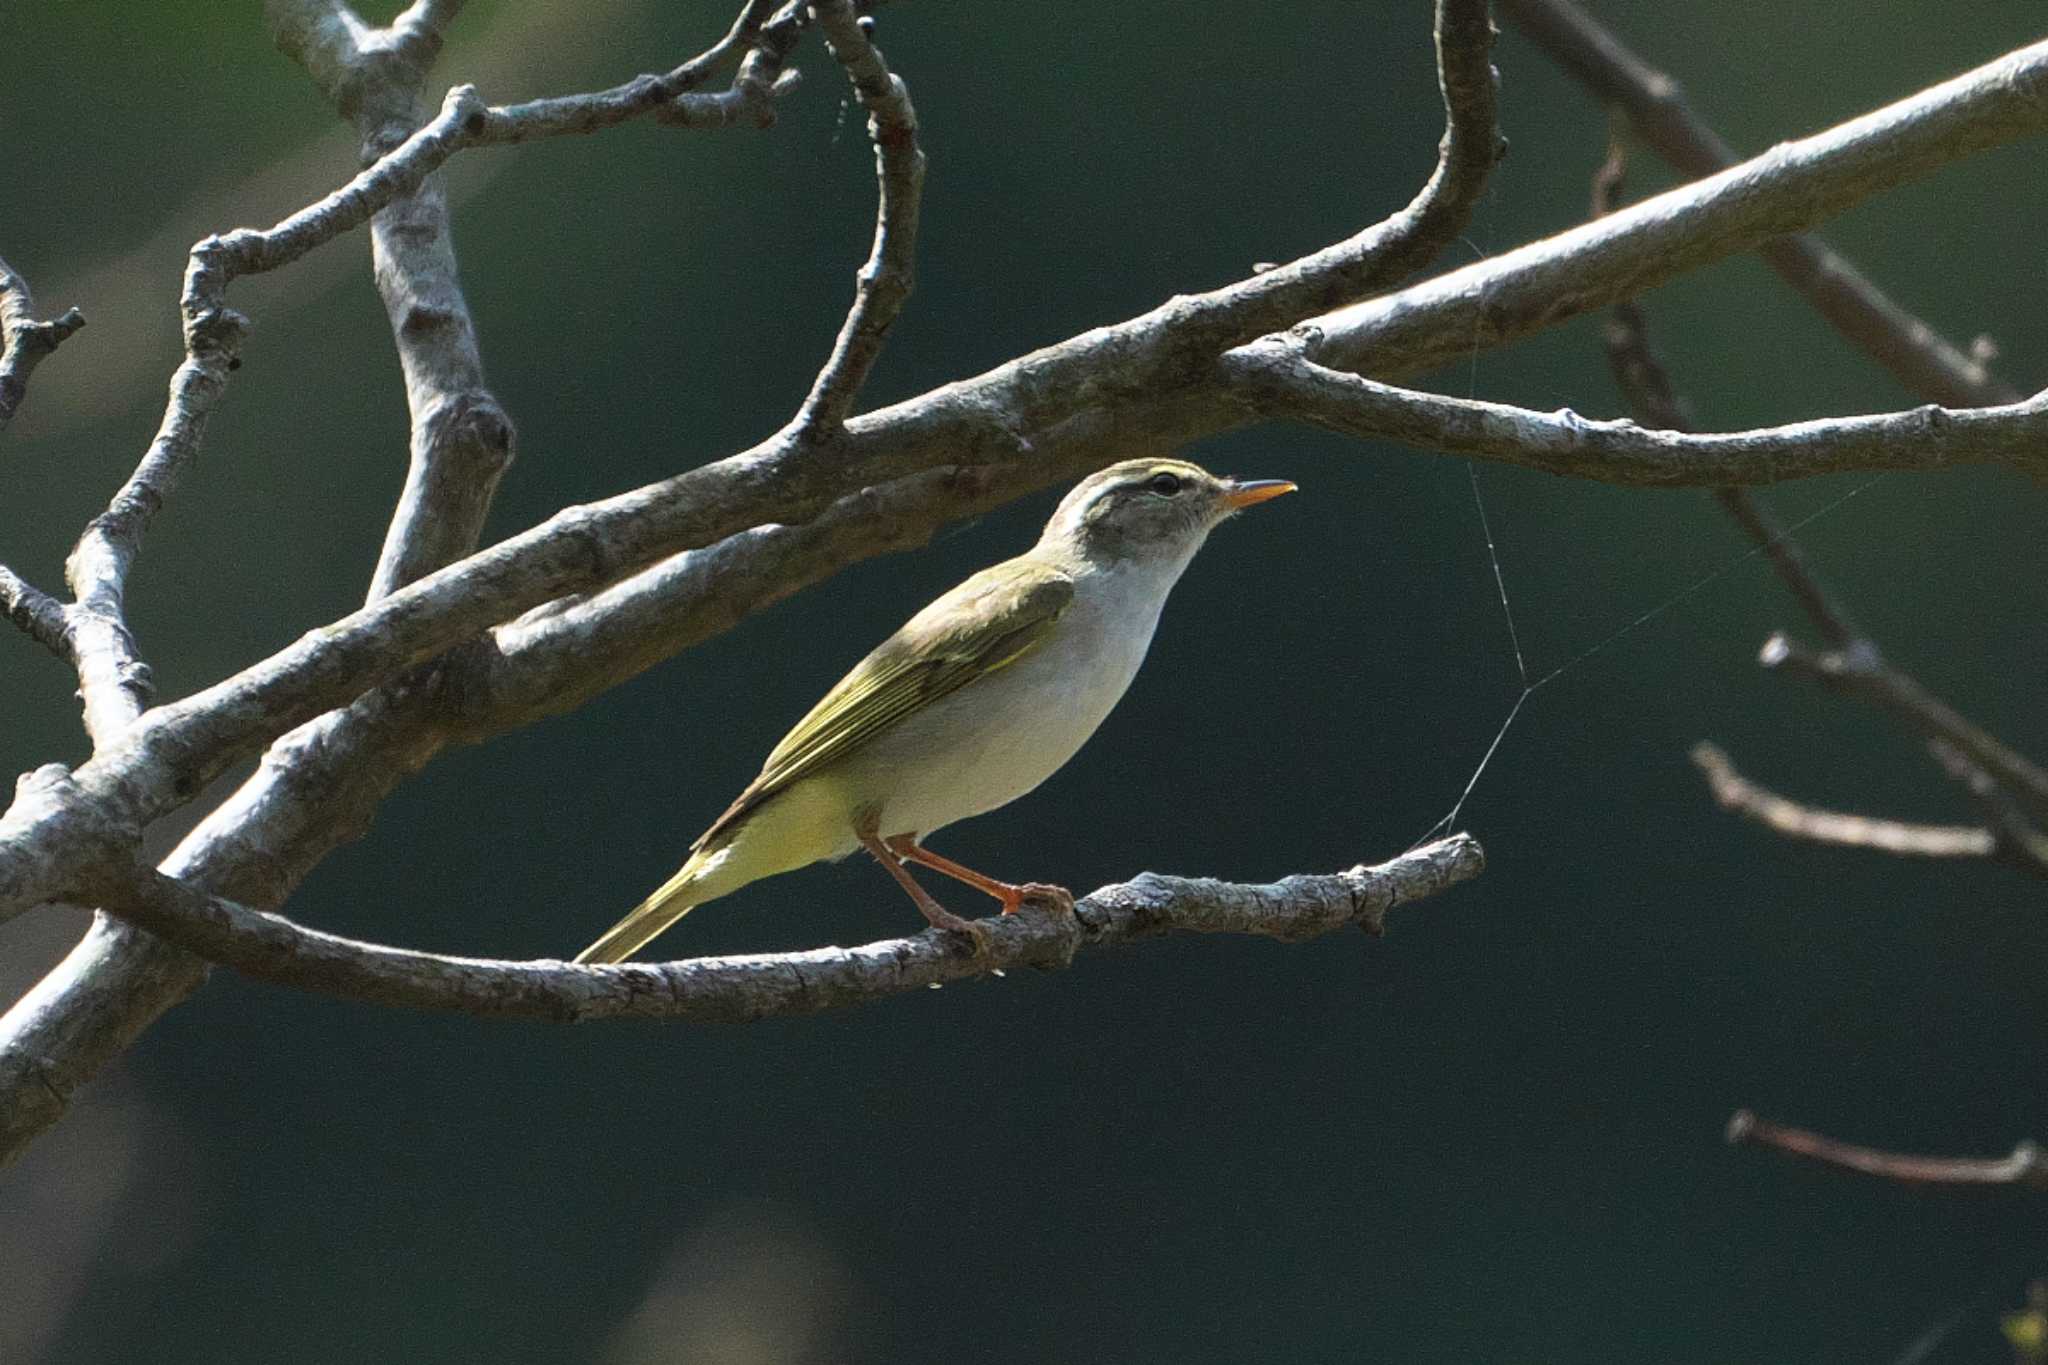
(1056, 898)
(946, 920)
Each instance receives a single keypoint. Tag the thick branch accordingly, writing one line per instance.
(2024, 1169)
(1914, 353)
(25, 341)
(757, 986)
(1786, 190)
(1278, 381)
(1732, 791)
(461, 437)
(884, 282)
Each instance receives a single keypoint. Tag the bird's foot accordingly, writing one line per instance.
(1056, 898)
(942, 918)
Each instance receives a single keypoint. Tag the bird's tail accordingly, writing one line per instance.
(646, 921)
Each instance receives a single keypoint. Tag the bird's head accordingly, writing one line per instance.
(1151, 511)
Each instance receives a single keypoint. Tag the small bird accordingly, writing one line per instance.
(975, 701)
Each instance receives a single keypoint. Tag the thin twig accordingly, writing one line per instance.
(331, 43)
(1910, 350)
(884, 282)
(1646, 385)
(1866, 679)
(757, 986)
(37, 614)
(1822, 607)
(2025, 1169)
(1394, 248)
(25, 342)
(2016, 839)
(1796, 820)
(1638, 371)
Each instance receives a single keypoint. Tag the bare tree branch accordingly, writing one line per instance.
(1861, 675)
(1627, 253)
(1651, 396)
(1910, 350)
(1278, 380)
(2025, 1169)
(1647, 387)
(1822, 607)
(462, 438)
(1795, 820)
(90, 633)
(25, 342)
(37, 614)
(1390, 250)
(119, 979)
(884, 282)
(333, 45)
(763, 985)
(2016, 839)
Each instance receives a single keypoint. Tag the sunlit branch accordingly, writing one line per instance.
(758, 986)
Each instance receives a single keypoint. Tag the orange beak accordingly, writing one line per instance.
(1244, 493)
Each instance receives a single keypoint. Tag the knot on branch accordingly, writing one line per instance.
(214, 336)
(464, 107)
(472, 428)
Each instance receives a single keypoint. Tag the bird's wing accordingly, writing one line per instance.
(993, 619)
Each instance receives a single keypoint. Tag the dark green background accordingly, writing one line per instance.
(1493, 1136)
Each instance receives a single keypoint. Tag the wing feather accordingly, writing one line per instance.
(990, 621)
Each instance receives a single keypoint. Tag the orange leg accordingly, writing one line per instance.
(1011, 895)
(938, 914)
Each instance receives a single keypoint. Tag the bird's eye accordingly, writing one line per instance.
(1165, 485)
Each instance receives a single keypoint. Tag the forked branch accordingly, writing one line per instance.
(884, 282)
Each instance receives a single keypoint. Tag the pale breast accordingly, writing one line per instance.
(1003, 735)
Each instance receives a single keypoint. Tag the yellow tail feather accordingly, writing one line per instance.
(646, 921)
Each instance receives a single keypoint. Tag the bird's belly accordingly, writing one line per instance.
(991, 742)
